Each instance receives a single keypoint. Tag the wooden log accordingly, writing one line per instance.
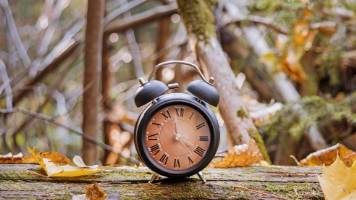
(273, 182)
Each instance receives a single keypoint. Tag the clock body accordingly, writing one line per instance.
(177, 135)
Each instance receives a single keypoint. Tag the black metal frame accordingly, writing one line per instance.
(176, 99)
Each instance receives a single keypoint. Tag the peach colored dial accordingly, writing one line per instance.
(177, 137)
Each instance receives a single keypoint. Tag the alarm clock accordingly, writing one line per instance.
(176, 135)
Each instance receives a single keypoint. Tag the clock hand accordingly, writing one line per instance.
(177, 136)
(186, 142)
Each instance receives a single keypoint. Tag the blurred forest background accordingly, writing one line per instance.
(293, 64)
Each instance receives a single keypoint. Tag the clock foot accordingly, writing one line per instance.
(154, 177)
(201, 177)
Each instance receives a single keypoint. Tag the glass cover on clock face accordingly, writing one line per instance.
(177, 137)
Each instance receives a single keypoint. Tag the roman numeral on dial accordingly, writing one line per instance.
(190, 160)
(157, 124)
(176, 163)
(191, 115)
(200, 151)
(155, 149)
(204, 138)
(179, 112)
(153, 136)
(164, 159)
(166, 114)
(201, 125)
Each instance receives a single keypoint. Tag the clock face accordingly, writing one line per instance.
(177, 137)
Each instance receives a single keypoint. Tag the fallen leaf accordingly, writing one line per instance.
(53, 169)
(240, 156)
(338, 181)
(328, 156)
(53, 156)
(94, 192)
(16, 159)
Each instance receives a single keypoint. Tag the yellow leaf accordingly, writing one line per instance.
(55, 170)
(327, 156)
(240, 156)
(94, 192)
(338, 181)
(270, 59)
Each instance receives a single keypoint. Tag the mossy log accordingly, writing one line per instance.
(275, 182)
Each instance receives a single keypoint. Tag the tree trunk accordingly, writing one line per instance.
(93, 48)
(199, 20)
(106, 81)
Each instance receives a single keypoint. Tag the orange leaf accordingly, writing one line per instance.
(16, 159)
(94, 192)
(328, 156)
(240, 156)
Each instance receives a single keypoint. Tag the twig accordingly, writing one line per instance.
(142, 18)
(50, 68)
(121, 10)
(6, 85)
(4, 4)
(55, 13)
(135, 50)
(56, 83)
(73, 130)
(258, 20)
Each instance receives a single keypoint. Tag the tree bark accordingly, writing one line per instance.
(106, 81)
(271, 182)
(93, 48)
(199, 20)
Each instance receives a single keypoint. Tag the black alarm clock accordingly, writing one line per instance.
(176, 135)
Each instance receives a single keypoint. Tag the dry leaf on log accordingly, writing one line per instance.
(58, 165)
(78, 169)
(53, 156)
(338, 181)
(94, 192)
(16, 159)
(328, 156)
(240, 156)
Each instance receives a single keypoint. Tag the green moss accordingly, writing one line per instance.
(289, 123)
(260, 143)
(292, 190)
(198, 17)
(242, 113)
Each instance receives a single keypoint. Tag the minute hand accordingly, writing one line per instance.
(186, 142)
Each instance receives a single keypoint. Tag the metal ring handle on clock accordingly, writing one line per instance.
(182, 62)
(203, 89)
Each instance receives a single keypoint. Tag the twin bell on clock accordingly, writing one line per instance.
(176, 135)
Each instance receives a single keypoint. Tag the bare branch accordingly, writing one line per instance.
(73, 130)
(134, 50)
(142, 18)
(53, 65)
(52, 13)
(258, 20)
(122, 9)
(4, 4)
(6, 85)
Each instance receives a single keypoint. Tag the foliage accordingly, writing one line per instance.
(288, 121)
(240, 156)
(338, 181)
(198, 17)
(329, 155)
